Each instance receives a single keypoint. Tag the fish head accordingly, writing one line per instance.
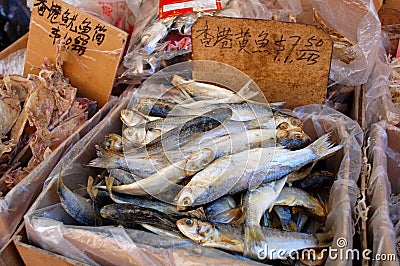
(131, 118)
(195, 229)
(282, 119)
(320, 209)
(293, 138)
(185, 198)
(105, 212)
(198, 160)
(152, 134)
(111, 211)
(135, 135)
(113, 142)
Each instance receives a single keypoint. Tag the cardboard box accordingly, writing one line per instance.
(33, 256)
(17, 45)
(343, 196)
(384, 180)
(389, 15)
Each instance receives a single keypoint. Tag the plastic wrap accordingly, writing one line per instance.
(120, 13)
(384, 154)
(14, 63)
(16, 202)
(317, 120)
(49, 227)
(364, 31)
(378, 99)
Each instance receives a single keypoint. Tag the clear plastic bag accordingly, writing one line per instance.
(18, 200)
(384, 154)
(14, 63)
(378, 99)
(364, 31)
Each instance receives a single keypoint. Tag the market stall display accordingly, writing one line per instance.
(48, 212)
(193, 163)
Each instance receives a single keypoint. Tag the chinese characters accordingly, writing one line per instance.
(77, 31)
(283, 48)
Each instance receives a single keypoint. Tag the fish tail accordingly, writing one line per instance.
(99, 163)
(245, 93)
(324, 239)
(253, 240)
(292, 226)
(323, 148)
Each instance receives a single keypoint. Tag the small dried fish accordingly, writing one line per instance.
(255, 203)
(248, 169)
(169, 176)
(78, 207)
(231, 238)
(129, 214)
(291, 196)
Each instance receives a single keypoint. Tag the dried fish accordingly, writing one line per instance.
(247, 169)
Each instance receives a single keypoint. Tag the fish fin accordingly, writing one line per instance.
(245, 93)
(109, 184)
(177, 80)
(323, 148)
(229, 216)
(105, 159)
(277, 104)
(324, 239)
(91, 190)
(99, 163)
(253, 240)
(291, 226)
(198, 213)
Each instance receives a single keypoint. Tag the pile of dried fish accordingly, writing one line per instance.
(395, 80)
(38, 113)
(224, 171)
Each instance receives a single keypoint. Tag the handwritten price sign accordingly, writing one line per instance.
(94, 47)
(290, 62)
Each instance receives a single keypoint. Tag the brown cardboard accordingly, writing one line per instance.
(91, 69)
(9, 255)
(17, 45)
(383, 181)
(294, 71)
(389, 14)
(33, 256)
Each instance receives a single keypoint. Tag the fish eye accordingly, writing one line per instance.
(295, 122)
(204, 162)
(187, 202)
(189, 222)
(283, 125)
(298, 136)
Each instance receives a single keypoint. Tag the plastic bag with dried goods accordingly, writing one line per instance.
(14, 63)
(378, 95)
(157, 43)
